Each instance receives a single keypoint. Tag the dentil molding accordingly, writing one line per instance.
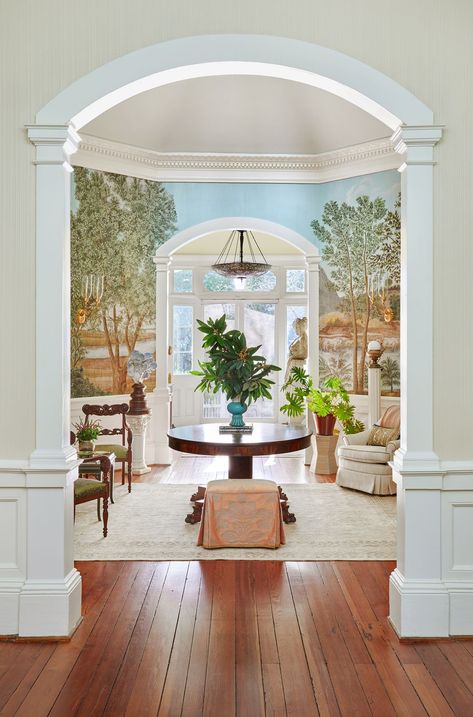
(109, 156)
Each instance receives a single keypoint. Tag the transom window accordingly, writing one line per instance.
(215, 282)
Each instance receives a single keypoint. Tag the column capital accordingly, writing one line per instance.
(162, 262)
(312, 262)
(54, 143)
(416, 143)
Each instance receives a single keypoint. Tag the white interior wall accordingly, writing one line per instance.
(425, 47)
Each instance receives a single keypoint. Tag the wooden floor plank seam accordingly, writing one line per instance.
(124, 662)
(126, 646)
(56, 709)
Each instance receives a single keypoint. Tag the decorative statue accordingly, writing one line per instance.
(297, 355)
(140, 366)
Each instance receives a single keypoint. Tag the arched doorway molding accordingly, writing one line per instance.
(180, 239)
(419, 597)
(227, 54)
(190, 234)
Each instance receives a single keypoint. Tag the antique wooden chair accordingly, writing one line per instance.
(86, 489)
(122, 451)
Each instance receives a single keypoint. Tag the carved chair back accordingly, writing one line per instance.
(116, 409)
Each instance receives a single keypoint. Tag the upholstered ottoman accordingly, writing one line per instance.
(241, 513)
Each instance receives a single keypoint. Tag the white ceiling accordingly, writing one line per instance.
(213, 243)
(241, 114)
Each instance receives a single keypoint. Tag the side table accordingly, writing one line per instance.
(95, 468)
(323, 459)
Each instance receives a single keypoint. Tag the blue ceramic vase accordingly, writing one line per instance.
(237, 409)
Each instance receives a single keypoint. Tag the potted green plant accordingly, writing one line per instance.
(233, 367)
(87, 433)
(329, 403)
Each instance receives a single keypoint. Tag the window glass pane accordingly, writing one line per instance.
(265, 282)
(182, 339)
(215, 311)
(216, 282)
(182, 280)
(215, 404)
(293, 313)
(259, 327)
(295, 280)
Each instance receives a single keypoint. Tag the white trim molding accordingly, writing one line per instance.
(110, 156)
(316, 66)
(431, 590)
(235, 54)
(255, 224)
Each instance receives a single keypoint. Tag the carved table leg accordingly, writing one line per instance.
(196, 515)
(199, 495)
(286, 515)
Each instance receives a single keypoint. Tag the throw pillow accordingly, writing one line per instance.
(379, 436)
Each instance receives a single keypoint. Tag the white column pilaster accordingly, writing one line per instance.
(40, 592)
(374, 395)
(54, 145)
(417, 146)
(162, 394)
(312, 265)
(419, 595)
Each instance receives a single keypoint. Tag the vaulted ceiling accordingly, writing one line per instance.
(238, 114)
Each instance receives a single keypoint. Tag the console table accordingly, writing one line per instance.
(265, 439)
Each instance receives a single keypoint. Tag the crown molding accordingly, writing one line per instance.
(97, 153)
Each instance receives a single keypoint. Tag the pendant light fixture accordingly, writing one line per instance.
(241, 256)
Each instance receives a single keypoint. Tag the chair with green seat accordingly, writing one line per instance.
(86, 489)
(122, 451)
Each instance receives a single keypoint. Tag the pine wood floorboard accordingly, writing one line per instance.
(226, 638)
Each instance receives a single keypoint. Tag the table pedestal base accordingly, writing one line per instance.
(240, 467)
(198, 498)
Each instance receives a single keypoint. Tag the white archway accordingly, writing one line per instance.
(419, 598)
(208, 55)
(189, 234)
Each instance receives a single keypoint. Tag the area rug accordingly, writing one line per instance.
(333, 523)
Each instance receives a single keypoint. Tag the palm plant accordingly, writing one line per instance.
(391, 373)
(330, 400)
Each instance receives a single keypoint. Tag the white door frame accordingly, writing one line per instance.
(41, 596)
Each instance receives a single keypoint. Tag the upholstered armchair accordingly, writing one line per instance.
(365, 467)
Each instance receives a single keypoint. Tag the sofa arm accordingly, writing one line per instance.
(357, 439)
(392, 446)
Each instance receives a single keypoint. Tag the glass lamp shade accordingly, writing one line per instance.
(241, 256)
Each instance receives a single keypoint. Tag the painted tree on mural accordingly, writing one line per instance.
(351, 236)
(388, 255)
(115, 232)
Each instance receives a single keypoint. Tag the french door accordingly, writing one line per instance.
(257, 320)
(266, 322)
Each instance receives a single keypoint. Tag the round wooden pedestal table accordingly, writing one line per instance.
(265, 439)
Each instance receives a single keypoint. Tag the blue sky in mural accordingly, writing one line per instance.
(292, 205)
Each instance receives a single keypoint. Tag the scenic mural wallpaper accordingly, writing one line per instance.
(118, 222)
